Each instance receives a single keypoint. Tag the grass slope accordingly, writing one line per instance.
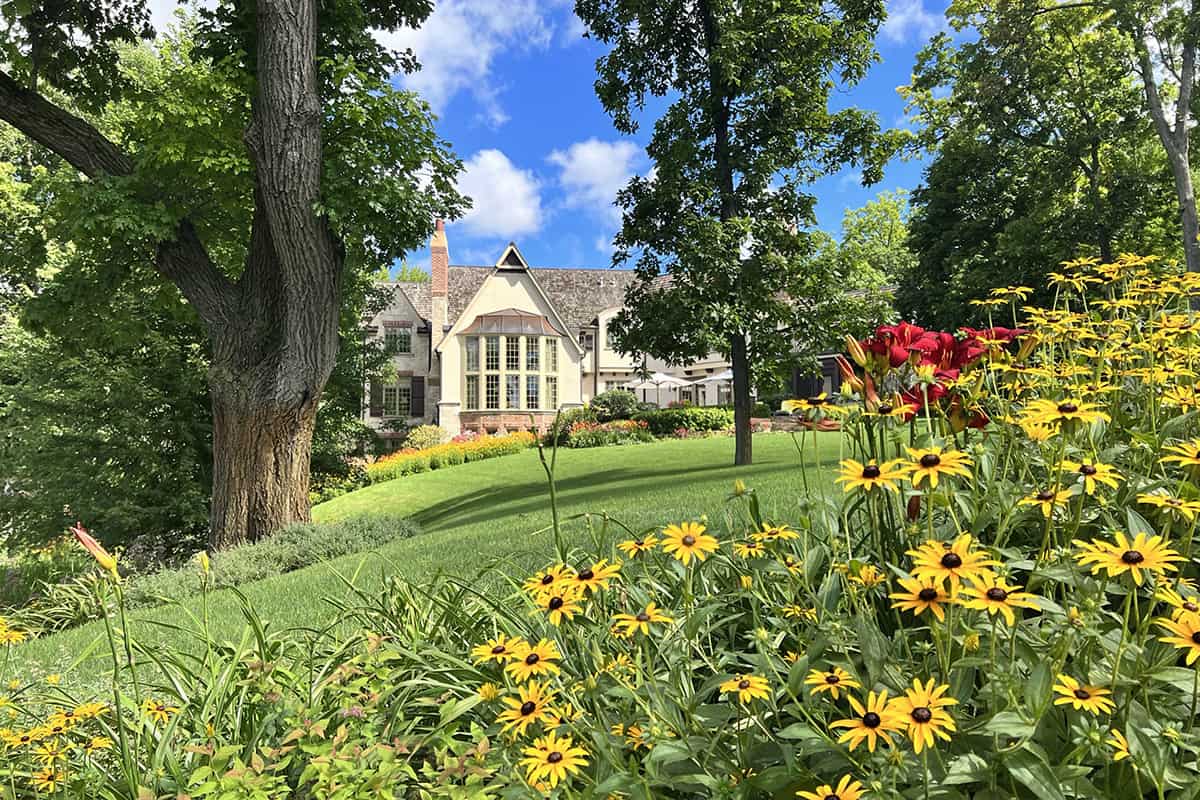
(478, 515)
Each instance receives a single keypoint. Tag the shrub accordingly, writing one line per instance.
(600, 434)
(568, 418)
(614, 404)
(410, 461)
(424, 437)
(665, 421)
(25, 574)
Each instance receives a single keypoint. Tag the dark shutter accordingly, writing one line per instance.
(418, 397)
(376, 401)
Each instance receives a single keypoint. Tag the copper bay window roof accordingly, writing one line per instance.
(512, 321)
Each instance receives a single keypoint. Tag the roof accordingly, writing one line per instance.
(512, 320)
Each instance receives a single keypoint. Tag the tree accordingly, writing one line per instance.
(723, 215)
(872, 250)
(410, 273)
(336, 171)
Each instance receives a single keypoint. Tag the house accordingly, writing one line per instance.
(504, 347)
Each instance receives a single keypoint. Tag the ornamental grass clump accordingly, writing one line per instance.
(991, 594)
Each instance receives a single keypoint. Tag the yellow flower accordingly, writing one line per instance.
(1185, 454)
(635, 547)
(994, 595)
(1183, 606)
(832, 681)
(489, 692)
(933, 462)
(159, 712)
(50, 753)
(870, 722)
(548, 579)
(10, 636)
(552, 759)
(800, 612)
(1092, 473)
(922, 712)
(922, 594)
(954, 561)
(811, 405)
(48, 780)
(772, 533)
(846, 790)
(102, 556)
(502, 649)
(564, 602)
(53, 679)
(1185, 509)
(1120, 745)
(598, 575)
(747, 688)
(1047, 499)
(629, 624)
(531, 660)
(532, 705)
(1082, 697)
(872, 476)
(868, 576)
(686, 540)
(1185, 635)
(1050, 412)
(97, 743)
(1143, 553)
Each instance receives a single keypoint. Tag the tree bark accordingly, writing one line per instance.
(743, 442)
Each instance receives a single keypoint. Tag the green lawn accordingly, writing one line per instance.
(476, 516)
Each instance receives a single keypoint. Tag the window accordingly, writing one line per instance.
(587, 340)
(512, 391)
(397, 398)
(532, 354)
(493, 353)
(493, 391)
(552, 391)
(531, 391)
(398, 340)
(473, 355)
(512, 353)
(552, 355)
(473, 390)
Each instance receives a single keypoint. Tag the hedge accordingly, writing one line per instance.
(666, 421)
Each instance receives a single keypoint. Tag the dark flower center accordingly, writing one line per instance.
(885, 409)
(871, 719)
(554, 757)
(816, 401)
(928, 595)
(1083, 694)
(1174, 502)
(1067, 408)
(1045, 495)
(688, 540)
(528, 708)
(997, 594)
(586, 575)
(532, 659)
(1188, 605)
(498, 649)
(642, 617)
(1196, 637)
(555, 603)
(952, 561)
(870, 471)
(922, 714)
(832, 679)
(547, 580)
(831, 797)
(1087, 469)
(743, 684)
(639, 543)
(930, 460)
(1132, 557)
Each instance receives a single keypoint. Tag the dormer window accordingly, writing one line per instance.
(587, 340)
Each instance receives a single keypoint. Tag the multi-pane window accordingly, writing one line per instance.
(398, 340)
(397, 398)
(515, 381)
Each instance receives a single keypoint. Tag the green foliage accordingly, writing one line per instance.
(25, 572)
(412, 462)
(614, 404)
(602, 434)
(666, 421)
(410, 273)
(424, 436)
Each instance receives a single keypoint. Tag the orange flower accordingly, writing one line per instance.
(102, 556)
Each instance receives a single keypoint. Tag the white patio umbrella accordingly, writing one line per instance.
(725, 376)
(657, 380)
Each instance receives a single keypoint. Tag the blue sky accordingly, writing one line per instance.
(511, 82)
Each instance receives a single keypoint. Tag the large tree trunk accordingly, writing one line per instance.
(742, 441)
(1181, 171)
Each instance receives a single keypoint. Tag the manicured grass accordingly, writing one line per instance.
(489, 516)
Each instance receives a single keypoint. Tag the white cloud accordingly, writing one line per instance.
(458, 43)
(506, 200)
(592, 172)
(909, 20)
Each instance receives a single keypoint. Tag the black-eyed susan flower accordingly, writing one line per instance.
(929, 464)
(1185, 454)
(1120, 745)
(868, 576)
(635, 547)
(1143, 554)
(750, 549)
(1082, 697)
(1185, 635)
(820, 403)
(48, 780)
(50, 752)
(1047, 500)
(871, 722)
(774, 533)
(1070, 410)
(633, 735)
(548, 579)
(532, 705)
(953, 561)
(922, 594)
(501, 649)
(90, 710)
(847, 789)
(1183, 509)
(746, 688)
(489, 692)
(597, 576)
(96, 744)
(890, 408)
(552, 759)
(922, 712)
(629, 624)
(158, 711)
(561, 603)
(834, 681)
(796, 611)
(1091, 474)
(871, 476)
(1184, 603)
(996, 596)
(532, 660)
(688, 540)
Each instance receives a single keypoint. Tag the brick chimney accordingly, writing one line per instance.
(439, 269)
